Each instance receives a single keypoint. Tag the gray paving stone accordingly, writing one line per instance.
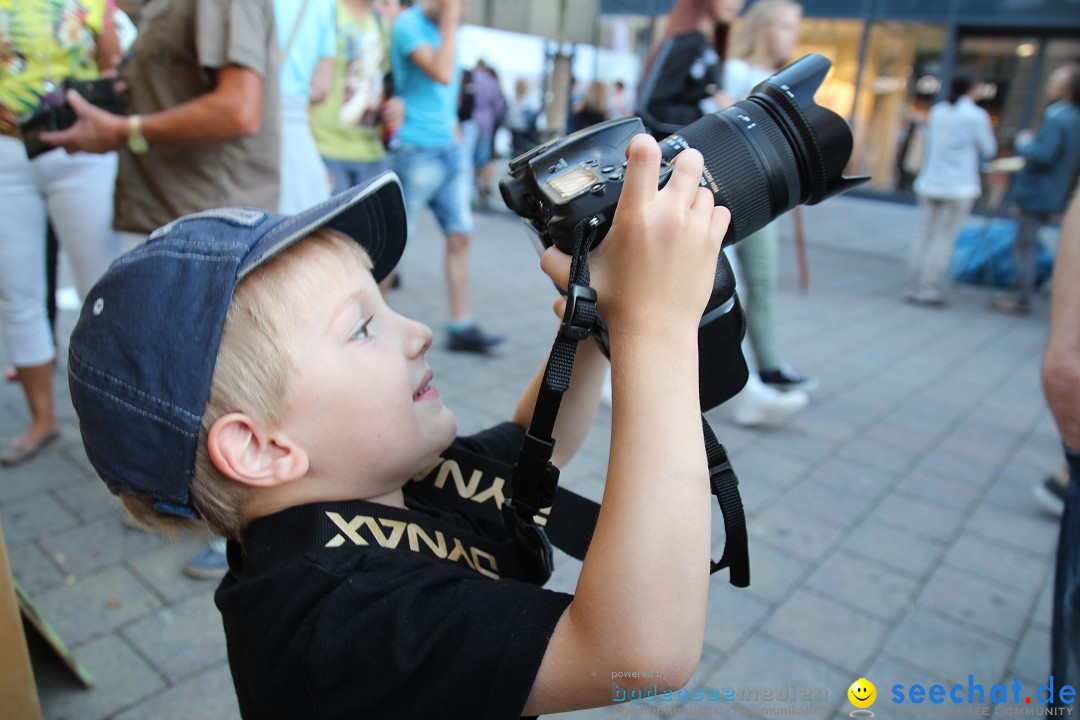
(852, 476)
(809, 449)
(95, 604)
(121, 678)
(763, 462)
(33, 568)
(865, 584)
(922, 518)
(102, 542)
(946, 649)
(885, 456)
(947, 492)
(949, 465)
(1045, 604)
(895, 548)
(820, 627)
(34, 516)
(211, 692)
(1015, 530)
(773, 572)
(47, 471)
(990, 559)
(980, 603)
(181, 639)
(827, 502)
(733, 616)
(161, 569)
(1032, 658)
(797, 533)
(87, 498)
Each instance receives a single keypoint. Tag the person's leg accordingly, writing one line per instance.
(935, 280)
(22, 296)
(1027, 254)
(79, 196)
(339, 173)
(420, 173)
(1065, 619)
(929, 217)
(758, 257)
(304, 180)
(452, 209)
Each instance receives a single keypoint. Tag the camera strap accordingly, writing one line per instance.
(534, 480)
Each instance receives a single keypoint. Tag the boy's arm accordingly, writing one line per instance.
(439, 65)
(641, 597)
(1061, 364)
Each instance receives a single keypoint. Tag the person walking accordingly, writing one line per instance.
(960, 137)
(1041, 188)
(42, 43)
(762, 43)
(431, 161)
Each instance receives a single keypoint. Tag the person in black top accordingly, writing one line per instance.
(292, 410)
(683, 75)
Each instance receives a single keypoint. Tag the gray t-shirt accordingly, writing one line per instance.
(181, 43)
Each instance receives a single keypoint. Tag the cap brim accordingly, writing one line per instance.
(372, 214)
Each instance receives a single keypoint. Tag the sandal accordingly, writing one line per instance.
(15, 454)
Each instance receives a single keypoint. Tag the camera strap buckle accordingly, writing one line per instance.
(580, 313)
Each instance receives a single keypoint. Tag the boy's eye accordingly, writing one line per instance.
(361, 330)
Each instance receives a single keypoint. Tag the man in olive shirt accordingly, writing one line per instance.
(204, 129)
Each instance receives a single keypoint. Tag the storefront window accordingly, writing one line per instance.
(837, 40)
(901, 77)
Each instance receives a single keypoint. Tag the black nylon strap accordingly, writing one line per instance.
(725, 486)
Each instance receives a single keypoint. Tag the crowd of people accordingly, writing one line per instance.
(286, 105)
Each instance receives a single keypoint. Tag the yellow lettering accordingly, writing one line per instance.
(452, 469)
(349, 528)
(490, 570)
(459, 552)
(418, 477)
(495, 493)
(396, 527)
(416, 534)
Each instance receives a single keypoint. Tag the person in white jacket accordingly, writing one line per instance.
(959, 139)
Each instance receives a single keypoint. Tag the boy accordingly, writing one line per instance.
(321, 407)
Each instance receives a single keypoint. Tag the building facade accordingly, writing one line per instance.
(891, 59)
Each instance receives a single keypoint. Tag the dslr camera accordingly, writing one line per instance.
(763, 156)
(54, 113)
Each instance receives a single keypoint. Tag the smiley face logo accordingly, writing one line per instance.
(862, 693)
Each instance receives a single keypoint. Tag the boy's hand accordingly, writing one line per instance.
(654, 271)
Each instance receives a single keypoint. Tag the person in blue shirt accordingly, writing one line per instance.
(431, 161)
(1041, 189)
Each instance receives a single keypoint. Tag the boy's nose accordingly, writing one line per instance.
(419, 338)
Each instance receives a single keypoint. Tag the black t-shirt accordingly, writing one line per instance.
(686, 70)
(318, 626)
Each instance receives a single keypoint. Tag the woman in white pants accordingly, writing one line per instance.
(44, 42)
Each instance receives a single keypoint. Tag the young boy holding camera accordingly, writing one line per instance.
(289, 407)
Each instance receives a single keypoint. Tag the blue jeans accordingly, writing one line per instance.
(1065, 628)
(439, 178)
(349, 173)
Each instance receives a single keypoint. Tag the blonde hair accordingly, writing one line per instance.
(252, 373)
(750, 37)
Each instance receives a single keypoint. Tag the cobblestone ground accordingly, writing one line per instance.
(893, 532)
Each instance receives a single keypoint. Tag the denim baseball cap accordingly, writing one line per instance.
(143, 352)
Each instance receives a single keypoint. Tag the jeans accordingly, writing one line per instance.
(1027, 253)
(1065, 623)
(439, 178)
(350, 173)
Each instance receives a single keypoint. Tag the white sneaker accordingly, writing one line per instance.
(759, 404)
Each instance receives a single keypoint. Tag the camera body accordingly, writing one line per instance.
(763, 156)
(54, 113)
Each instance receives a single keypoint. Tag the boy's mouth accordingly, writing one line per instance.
(426, 389)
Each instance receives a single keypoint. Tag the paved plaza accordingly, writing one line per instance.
(893, 534)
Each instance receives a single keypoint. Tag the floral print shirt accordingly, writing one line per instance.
(42, 42)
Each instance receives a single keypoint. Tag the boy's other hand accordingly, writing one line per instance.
(654, 271)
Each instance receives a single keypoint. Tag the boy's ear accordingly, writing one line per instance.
(244, 451)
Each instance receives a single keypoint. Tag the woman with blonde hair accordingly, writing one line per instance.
(762, 43)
